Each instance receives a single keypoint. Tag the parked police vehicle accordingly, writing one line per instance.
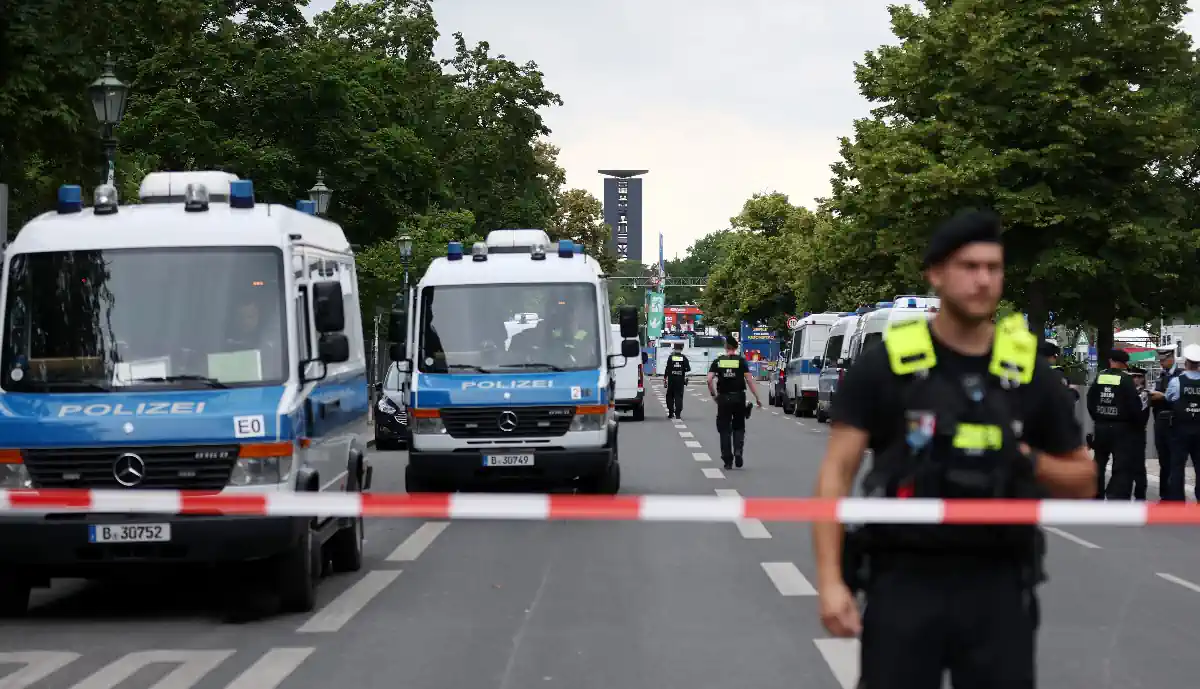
(538, 404)
(199, 341)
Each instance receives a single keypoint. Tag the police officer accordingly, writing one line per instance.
(731, 374)
(955, 407)
(678, 367)
(1162, 413)
(1139, 470)
(1183, 393)
(1115, 408)
(1049, 351)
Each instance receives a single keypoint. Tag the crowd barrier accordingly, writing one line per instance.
(658, 508)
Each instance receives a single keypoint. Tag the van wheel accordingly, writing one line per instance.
(415, 483)
(346, 548)
(822, 417)
(297, 572)
(609, 482)
(787, 405)
(639, 412)
(14, 595)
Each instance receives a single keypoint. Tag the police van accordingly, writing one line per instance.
(198, 341)
(534, 406)
(807, 344)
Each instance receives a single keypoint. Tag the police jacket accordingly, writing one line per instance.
(1114, 398)
(1186, 409)
(678, 365)
(961, 440)
(1062, 375)
(1161, 406)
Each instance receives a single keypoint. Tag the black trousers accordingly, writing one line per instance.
(1162, 447)
(1185, 444)
(1118, 441)
(731, 424)
(977, 621)
(675, 395)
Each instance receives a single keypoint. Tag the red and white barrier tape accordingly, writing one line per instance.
(660, 508)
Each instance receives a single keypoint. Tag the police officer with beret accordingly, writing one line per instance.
(1049, 351)
(728, 379)
(678, 366)
(956, 407)
(1116, 410)
(1163, 416)
(1183, 394)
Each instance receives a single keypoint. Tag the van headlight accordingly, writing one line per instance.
(15, 476)
(590, 418)
(425, 422)
(385, 405)
(261, 471)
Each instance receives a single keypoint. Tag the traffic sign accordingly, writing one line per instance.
(792, 322)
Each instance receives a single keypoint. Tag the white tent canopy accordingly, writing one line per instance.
(1133, 335)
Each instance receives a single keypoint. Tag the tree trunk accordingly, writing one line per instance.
(1105, 315)
(1036, 309)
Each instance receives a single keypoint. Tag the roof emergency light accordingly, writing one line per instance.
(104, 200)
(454, 251)
(537, 252)
(195, 198)
(566, 248)
(70, 199)
(578, 248)
(478, 252)
(241, 193)
(912, 303)
(883, 304)
(306, 206)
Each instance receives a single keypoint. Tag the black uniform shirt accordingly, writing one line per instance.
(730, 371)
(678, 365)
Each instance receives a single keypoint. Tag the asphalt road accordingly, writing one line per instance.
(514, 605)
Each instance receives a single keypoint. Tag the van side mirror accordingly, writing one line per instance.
(630, 349)
(817, 362)
(645, 358)
(378, 387)
(333, 348)
(397, 352)
(329, 311)
(843, 363)
(627, 317)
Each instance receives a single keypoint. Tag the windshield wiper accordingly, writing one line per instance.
(77, 384)
(535, 364)
(210, 382)
(465, 367)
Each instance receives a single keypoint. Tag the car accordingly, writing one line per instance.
(391, 412)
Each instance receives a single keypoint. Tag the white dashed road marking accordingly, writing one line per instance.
(841, 655)
(35, 666)
(270, 670)
(788, 580)
(1071, 537)
(691, 443)
(190, 668)
(415, 544)
(713, 473)
(686, 434)
(701, 457)
(748, 528)
(1178, 580)
(340, 610)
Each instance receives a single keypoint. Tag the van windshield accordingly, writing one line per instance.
(100, 320)
(509, 327)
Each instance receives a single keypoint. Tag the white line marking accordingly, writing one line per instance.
(788, 580)
(35, 666)
(686, 434)
(270, 670)
(681, 426)
(775, 413)
(191, 667)
(338, 611)
(1177, 580)
(1071, 537)
(691, 443)
(748, 528)
(713, 473)
(842, 656)
(701, 457)
(417, 542)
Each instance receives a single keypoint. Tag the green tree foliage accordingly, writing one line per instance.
(701, 256)
(1075, 120)
(579, 216)
(437, 149)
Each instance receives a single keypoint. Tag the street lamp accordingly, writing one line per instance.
(320, 194)
(405, 254)
(109, 95)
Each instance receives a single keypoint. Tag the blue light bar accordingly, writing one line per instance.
(578, 248)
(883, 304)
(70, 199)
(912, 303)
(454, 251)
(306, 206)
(566, 248)
(241, 194)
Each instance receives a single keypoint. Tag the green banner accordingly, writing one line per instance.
(654, 315)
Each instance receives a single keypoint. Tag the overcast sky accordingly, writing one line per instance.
(717, 99)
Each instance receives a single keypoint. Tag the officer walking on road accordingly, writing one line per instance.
(1163, 414)
(957, 407)
(732, 378)
(1116, 410)
(678, 366)
(1183, 393)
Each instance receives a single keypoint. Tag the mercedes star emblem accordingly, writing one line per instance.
(129, 470)
(508, 421)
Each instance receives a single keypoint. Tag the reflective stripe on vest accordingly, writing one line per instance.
(1014, 349)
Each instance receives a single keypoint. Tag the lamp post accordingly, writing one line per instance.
(320, 194)
(405, 255)
(108, 95)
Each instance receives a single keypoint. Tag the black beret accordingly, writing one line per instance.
(966, 227)
(1046, 348)
(1119, 355)
(1137, 371)
(731, 342)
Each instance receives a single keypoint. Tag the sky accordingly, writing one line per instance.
(719, 100)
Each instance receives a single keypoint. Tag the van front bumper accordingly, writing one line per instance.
(549, 464)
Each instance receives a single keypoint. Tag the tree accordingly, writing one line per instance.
(701, 256)
(580, 217)
(1069, 118)
(380, 270)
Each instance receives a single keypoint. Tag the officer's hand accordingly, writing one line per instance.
(839, 610)
(759, 403)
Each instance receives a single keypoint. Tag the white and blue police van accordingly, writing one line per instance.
(537, 405)
(806, 347)
(198, 341)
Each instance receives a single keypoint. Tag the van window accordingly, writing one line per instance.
(815, 344)
(833, 348)
(797, 344)
(870, 339)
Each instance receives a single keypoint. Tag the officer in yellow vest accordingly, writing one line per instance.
(1116, 410)
(678, 366)
(728, 379)
(956, 407)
